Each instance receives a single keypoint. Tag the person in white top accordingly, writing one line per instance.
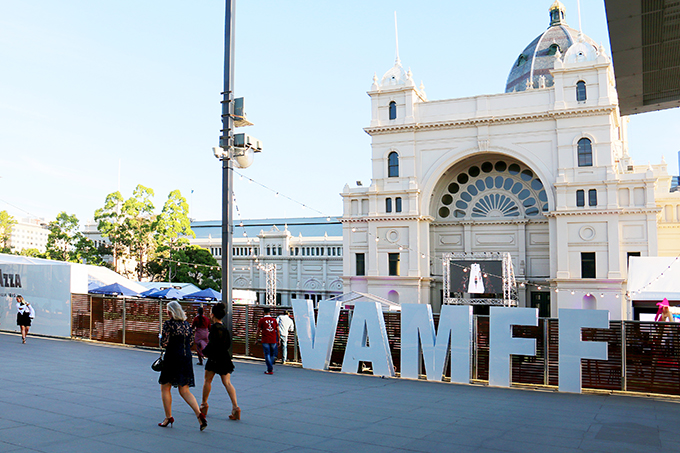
(25, 314)
(286, 325)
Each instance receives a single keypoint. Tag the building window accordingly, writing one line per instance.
(393, 110)
(588, 265)
(361, 264)
(628, 257)
(397, 203)
(580, 198)
(592, 197)
(581, 91)
(393, 165)
(388, 205)
(552, 50)
(585, 153)
(393, 259)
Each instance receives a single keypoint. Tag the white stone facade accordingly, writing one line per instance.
(308, 264)
(509, 172)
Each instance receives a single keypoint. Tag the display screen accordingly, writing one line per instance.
(476, 277)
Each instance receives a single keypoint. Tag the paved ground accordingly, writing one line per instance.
(70, 396)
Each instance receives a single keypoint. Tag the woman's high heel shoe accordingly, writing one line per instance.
(204, 409)
(203, 423)
(167, 421)
(235, 414)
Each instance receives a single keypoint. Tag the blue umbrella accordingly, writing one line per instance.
(115, 289)
(168, 293)
(206, 294)
(148, 292)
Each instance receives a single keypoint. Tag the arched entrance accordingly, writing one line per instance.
(492, 203)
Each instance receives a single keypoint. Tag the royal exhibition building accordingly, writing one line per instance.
(534, 188)
(541, 172)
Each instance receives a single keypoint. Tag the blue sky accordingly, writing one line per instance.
(86, 86)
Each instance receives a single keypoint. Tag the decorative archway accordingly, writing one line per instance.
(487, 187)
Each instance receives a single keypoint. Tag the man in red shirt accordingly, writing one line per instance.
(270, 338)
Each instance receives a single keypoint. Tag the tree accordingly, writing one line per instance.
(139, 227)
(110, 224)
(173, 226)
(63, 237)
(7, 222)
(31, 252)
(194, 264)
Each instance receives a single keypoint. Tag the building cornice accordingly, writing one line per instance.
(581, 212)
(366, 219)
(499, 221)
(493, 120)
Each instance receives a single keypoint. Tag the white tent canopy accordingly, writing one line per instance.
(654, 277)
(349, 299)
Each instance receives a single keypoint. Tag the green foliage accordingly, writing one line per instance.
(31, 252)
(136, 234)
(63, 237)
(204, 270)
(173, 225)
(111, 225)
(140, 224)
(7, 222)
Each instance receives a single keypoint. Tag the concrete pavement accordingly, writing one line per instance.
(71, 396)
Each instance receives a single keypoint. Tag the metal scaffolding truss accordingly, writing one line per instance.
(509, 283)
(270, 272)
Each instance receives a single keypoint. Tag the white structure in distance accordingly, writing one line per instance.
(542, 172)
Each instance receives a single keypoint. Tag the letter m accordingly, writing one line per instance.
(454, 336)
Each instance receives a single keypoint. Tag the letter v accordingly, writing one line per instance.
(316, 338)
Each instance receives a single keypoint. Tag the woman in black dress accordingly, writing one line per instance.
(25, 314)
(219, 361)
(177, 338)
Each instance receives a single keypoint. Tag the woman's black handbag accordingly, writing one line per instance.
(157, 365)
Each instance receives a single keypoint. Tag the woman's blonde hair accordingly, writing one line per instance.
(176, 311)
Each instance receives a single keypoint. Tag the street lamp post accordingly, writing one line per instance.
(226, 143)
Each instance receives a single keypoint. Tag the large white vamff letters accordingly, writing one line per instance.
(316, 338)
(418, 335)
(367, 341)
(573, 349)
(502, 344)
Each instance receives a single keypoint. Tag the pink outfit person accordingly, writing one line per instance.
(201, 325)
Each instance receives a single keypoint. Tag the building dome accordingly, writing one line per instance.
(538, 58)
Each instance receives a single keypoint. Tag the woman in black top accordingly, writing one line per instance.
(219, 361)
(177, 338)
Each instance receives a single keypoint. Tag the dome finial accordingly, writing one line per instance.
(557, 14)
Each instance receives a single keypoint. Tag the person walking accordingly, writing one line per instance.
(268, 327)
(200, 325)
(286, 325)
(25, 315)
(177, 338)
(219, 361)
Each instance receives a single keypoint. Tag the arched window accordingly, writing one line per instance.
(393, 110)
(397, 204)
(585, 153)
(393, 165)
(580, 91)
(388, 205)
(552, 50)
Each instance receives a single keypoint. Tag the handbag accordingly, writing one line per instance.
(157, 365)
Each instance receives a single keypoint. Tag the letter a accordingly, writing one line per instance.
(316, 338)
(368, 327)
